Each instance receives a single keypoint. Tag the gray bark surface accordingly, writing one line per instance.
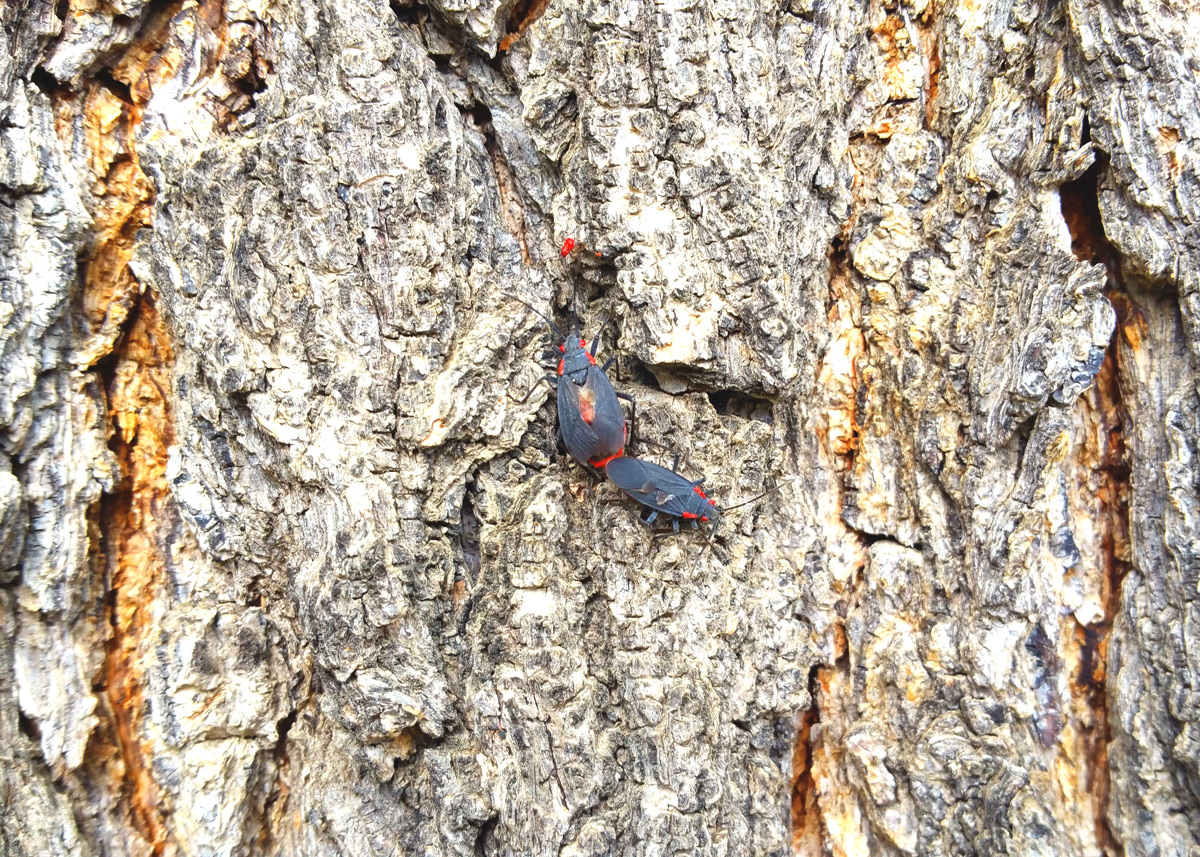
(287, 567)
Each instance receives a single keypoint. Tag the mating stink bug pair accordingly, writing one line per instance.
(593, 430)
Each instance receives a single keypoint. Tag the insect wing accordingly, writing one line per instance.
(651, 485)
(577, 433)
(600, 409)
(590, 418)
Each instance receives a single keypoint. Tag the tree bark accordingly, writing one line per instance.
(290, 565)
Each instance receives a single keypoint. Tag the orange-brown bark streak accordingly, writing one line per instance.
(140, 435)
(523, 16)
(130, 341)
(123, 197)
(135, 540)
(806, 828)
(1102, 458)
(839, 383)
(839, 375)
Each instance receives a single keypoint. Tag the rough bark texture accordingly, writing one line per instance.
(286, 568)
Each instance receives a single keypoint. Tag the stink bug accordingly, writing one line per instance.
(668, 492)
(590, 420)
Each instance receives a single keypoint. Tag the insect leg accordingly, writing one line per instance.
(633, 412)
(552, 380)
(596, 342)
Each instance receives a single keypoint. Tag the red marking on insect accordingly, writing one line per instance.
(689, 516)
(587, 404)
(567, 247)
(603, 461)
(700, 491)
(590, 358)
(704, 518)
(562, 346)
(561, 364)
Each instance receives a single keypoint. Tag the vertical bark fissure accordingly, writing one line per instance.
(123, 336)
(1102, 406)
(807, 836)
(277, 797)
(840, 380)
(454, 55)
(511, 206)
(133, 527)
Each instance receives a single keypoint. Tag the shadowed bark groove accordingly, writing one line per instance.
(134, 550)
(287, 568)
(806, 819)
(1101, 494)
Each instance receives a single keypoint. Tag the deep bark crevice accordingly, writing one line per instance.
(523, 14)
(130, 351)
(512, 207)
(1106, 399)
(130, 541)
(486, 834)
(739, 404)
(469, 536)
(48, 85)
(28, 727)
(807, 837)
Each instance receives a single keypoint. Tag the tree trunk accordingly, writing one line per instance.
(289, 564)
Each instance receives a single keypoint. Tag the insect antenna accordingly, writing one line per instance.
(718, 516)
(534, 309)
(575, 310)
(752, 499)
